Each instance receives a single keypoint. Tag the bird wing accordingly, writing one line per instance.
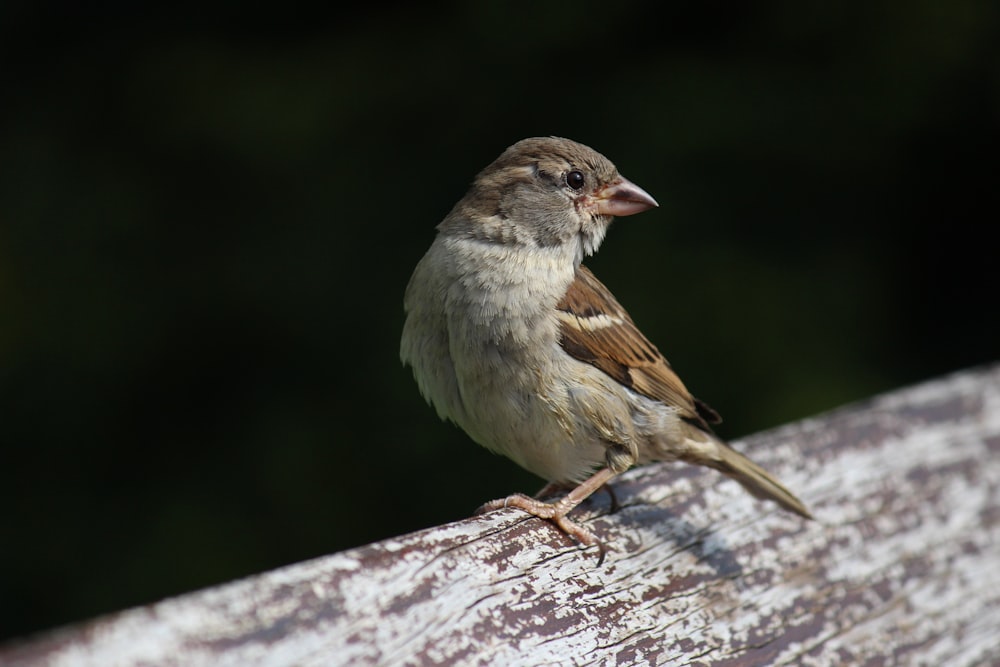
(596, 329)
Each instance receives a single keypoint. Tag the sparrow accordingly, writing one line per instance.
(511, 338)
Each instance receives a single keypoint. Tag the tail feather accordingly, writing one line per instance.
(760, 483)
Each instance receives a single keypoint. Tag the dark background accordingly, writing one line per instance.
(208, 218)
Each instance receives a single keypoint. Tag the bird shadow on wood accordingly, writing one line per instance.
(623, 516)
(630, 516)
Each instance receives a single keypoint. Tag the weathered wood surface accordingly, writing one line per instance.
(901, 567)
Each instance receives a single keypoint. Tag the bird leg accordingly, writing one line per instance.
(556, 511)
(552, 488)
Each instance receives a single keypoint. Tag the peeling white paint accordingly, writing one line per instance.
(898, 568)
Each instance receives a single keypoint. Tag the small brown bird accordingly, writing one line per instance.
(516, 342)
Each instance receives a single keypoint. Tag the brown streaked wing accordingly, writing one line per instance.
(596, 329)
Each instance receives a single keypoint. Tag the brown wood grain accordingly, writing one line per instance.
(902, 566)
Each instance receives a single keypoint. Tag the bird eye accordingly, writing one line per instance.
(574, 179)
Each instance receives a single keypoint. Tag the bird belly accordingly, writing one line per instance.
(557, 429)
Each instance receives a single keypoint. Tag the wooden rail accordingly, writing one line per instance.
(902, 566)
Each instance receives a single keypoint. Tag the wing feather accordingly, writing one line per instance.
(596, 330)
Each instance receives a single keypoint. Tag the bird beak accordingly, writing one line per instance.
(623, 197)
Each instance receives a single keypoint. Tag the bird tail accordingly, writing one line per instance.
(759, 482)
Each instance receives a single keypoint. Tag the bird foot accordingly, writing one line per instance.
(552, 488)
(555, 512)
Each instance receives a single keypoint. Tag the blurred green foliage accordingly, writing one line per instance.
(208, 218)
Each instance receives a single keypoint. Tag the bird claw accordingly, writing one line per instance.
(502, 503)
(556, 512)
